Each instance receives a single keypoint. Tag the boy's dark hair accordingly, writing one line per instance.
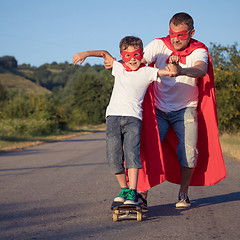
(182, 18)
(130, 41)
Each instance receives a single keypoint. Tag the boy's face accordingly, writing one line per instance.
(132, 57)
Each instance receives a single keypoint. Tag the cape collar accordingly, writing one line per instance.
(128, 69)
(193, 45)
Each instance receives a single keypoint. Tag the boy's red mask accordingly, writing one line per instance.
(182, 35)
(127, 56)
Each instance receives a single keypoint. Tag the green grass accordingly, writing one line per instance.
(20, 84)
(11, 143)
(231, 145)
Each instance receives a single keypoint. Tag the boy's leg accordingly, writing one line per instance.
(114, 152)
(132, 133)
(121, 177)
(132, 197)
(133, 177)
(131, 143)
(114, 145)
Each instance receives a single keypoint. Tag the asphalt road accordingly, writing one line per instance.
(64, 190)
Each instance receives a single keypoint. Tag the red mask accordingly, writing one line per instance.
(182, 35)
(127, 56)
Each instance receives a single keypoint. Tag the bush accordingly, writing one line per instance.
(226, 62)
(228, 100)
(27, 127)
(90, 97)
(40, 114)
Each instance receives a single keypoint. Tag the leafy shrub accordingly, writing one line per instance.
(27, 127)
(226, 62)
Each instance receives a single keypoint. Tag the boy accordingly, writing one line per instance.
(124, 112)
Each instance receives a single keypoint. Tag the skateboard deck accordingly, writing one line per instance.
(126, 211)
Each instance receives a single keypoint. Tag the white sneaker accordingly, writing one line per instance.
(183, 201)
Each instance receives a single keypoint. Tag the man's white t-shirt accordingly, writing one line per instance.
(129, 90)
(172, 94)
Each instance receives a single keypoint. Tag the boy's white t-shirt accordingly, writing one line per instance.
(129, 90)
(172, 94)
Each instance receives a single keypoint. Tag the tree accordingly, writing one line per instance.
(226, 62)
(90, 97)
(8, 62)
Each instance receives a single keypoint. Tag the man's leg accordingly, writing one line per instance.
(186, 175)
(186, 128)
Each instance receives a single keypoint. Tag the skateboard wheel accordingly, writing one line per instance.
(115, 217)
(139, 217)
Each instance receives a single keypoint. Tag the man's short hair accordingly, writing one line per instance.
(182, 18)
(130, 41)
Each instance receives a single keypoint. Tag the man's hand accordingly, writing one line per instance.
(174, 59)
(197, 71)
(173, 67)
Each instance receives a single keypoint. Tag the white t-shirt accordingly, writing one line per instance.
(172, 94)
(129, 90)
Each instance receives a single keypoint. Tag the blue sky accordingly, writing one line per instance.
(38, 32)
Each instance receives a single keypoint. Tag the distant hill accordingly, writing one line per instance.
(20, 84)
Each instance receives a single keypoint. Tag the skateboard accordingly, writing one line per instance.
(126, 211)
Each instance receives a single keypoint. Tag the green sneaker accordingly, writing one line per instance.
(132, 197)
(121, 197)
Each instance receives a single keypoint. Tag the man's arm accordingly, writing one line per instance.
(197, 71)
(81, 56)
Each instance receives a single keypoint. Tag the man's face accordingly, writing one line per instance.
(182, 29)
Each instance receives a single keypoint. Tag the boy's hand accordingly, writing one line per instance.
(174, 69)
(108, 61)
(79, 57)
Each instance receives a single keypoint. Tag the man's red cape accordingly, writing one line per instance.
(160, 163)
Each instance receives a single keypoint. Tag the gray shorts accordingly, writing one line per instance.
(185, 124)
(123, 142)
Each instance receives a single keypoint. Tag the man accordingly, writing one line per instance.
(179, 138)
(181, 105)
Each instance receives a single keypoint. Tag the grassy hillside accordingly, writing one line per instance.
(20, 84)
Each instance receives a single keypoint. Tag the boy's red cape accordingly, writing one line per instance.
(160, 163)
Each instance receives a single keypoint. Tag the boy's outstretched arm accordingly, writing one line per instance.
(81, 56)
(171, 72)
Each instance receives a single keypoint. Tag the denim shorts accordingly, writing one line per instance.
(123, 142)
(185, 124)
